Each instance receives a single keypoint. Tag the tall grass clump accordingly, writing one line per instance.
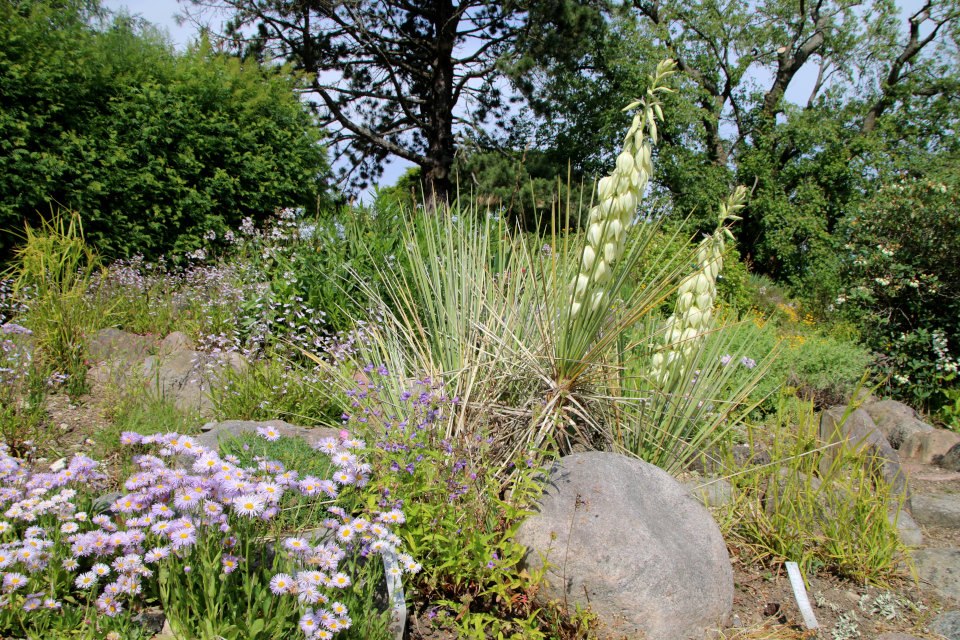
(53, 270)
(844, 523)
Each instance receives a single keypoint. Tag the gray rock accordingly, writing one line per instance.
(859, 432)
(209, 426)
(940, 511)
(903, 430)
(940, 569)
(951, 459)
(175, 343)
(235, 428)
(864, 396)
(907, 528)
(896, 636)
(886, 414)
(108, 344)
(783, 488)
(150, 620)
(948, 625)
(187, 377)
(926, 446)
(717, 463)
(625, 538)
(105, 501)
(710, 492)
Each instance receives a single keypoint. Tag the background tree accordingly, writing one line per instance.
(152, 147)
(875, 88)
(405, 78)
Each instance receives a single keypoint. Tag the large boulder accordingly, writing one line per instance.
(948, 625)
(858, 432)
(236, 428)
(926, 447)
(940, 511)
(186, 377)
(627, 540)
(114, 344)
(886, 414)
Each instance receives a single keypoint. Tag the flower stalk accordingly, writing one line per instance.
(619, 194)
(686, 329)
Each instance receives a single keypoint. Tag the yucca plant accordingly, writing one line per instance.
(532, 339)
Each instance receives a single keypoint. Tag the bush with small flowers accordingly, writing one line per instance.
(456, 523)
(200, 537)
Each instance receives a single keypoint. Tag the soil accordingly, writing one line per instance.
(764, 606)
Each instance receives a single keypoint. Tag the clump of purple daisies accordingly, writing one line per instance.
(178, 513)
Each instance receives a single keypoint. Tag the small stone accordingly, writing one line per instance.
(941, 511)
(150, 620)
(105, 501)
(64, 426)
(896, 636)
(951, 459)
(59, 465)
(72, 406)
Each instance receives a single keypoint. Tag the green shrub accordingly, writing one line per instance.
(152, 147)
(904, 284)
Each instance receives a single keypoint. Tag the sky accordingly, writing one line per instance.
(162, 13)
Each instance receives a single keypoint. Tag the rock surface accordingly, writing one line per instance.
(948, 625)
(110, 344)
(234, 428)
(940, 511)
(710, 492)
(940, 569)
(714, 463)
(925, 447)
(175, 343)
(859, 431)
(887, 414)
(903, 430)
(907, 528)
(951, 459)
(627, 537)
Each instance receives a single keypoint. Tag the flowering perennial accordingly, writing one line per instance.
(54, 549)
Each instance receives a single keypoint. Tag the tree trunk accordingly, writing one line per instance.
(441, 146)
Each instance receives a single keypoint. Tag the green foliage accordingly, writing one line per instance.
(153, 148)
(527, 185)
(457, 526)
(272, 387)
(904, 283)
(326, 269)
(809, 163)
(24, 386)
(784, 512)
